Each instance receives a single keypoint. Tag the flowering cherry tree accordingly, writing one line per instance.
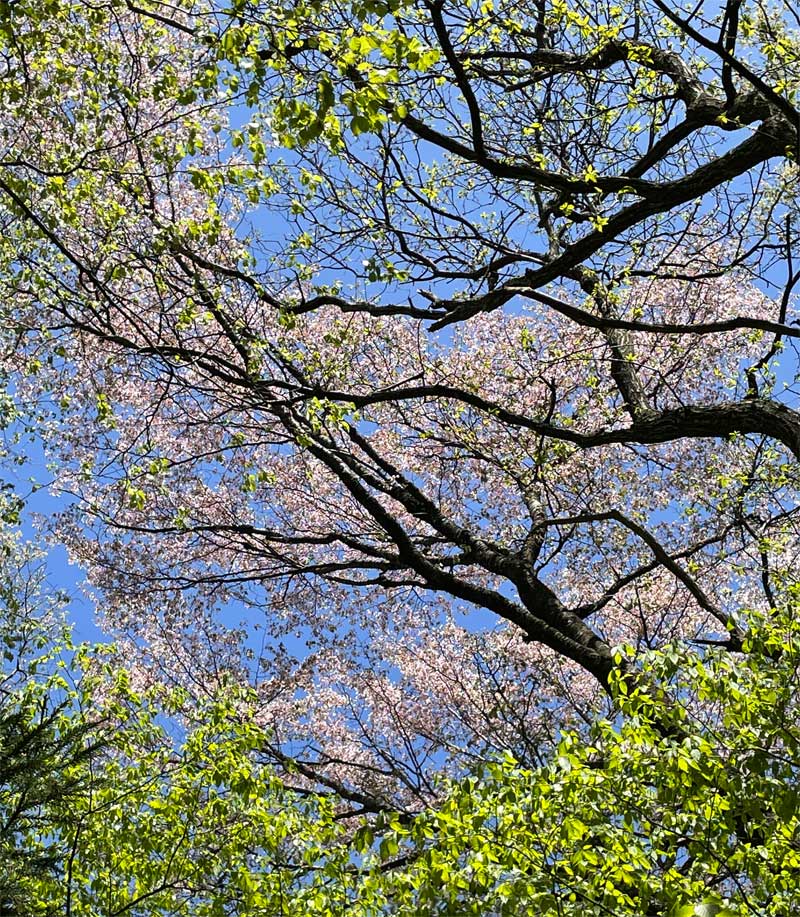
(500, 402)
